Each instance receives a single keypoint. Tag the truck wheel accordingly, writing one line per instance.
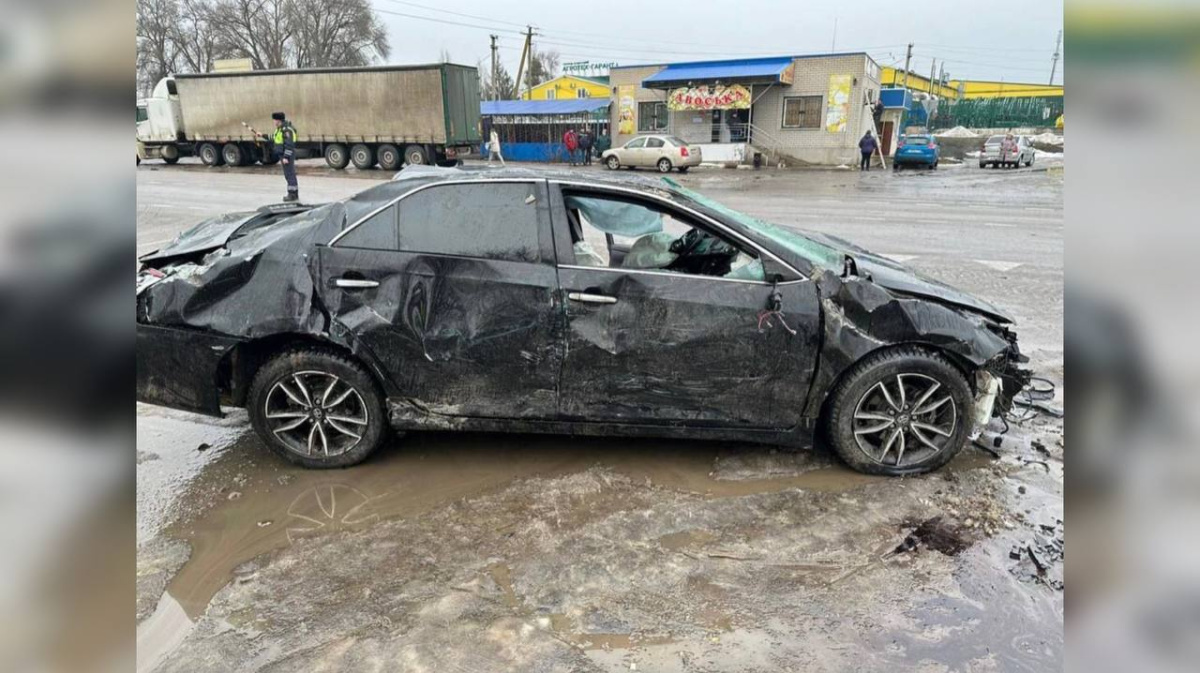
(389, 157)
(900, 411)
(362, 156)
(317, 408)
(337, 156)
(414, 155)
(210, 155)
(233, 155)
(170, 154)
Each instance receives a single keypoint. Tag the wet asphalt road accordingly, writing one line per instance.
(488, 552)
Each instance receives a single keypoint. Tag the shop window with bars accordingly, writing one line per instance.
(802, 112)
(652, 117)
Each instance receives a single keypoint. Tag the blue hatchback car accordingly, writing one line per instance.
(917, 150)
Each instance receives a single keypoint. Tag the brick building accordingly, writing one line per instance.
(800, 109)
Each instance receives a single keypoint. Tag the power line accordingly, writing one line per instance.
(446, 21)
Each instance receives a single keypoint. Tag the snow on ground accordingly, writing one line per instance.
(958, 132)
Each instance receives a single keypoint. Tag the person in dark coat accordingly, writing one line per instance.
(603, 143)
(585, 146)
(867, 147)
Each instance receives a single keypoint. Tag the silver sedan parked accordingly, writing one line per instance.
(998, 151)
(661, 152)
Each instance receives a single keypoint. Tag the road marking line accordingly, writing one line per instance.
(1002, 267)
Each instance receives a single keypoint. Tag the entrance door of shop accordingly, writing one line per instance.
(730, 126)
(885, 138)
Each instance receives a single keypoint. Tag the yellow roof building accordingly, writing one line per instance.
(892, 77)
(569, 86)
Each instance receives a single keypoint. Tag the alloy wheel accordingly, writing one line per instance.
(316, 414)
(908, 417)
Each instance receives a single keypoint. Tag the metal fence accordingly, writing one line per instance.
(991, 113)
(539, 138)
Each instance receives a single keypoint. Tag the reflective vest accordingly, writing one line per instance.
(278, 139)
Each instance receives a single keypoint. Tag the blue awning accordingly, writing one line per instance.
(743, 71)
(895, 98)
(542, 107)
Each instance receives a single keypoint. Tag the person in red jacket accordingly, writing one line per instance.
(571, 140)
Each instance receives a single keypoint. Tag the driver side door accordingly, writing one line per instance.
(647, 346)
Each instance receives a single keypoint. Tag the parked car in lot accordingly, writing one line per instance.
(1018, 152)
(916, 150)
(661, 152)
(534, 301)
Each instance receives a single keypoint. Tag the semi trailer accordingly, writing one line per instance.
(384, 116)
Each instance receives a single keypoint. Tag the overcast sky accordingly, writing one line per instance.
(1009, 39)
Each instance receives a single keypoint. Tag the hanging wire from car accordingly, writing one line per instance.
(774, 309)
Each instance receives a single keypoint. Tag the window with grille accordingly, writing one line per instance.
(802, 112)
(652, 117)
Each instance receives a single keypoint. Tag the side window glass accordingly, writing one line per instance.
(654, 142)
(636, 143)
(376, 233)
(496, 220)
(633, 235)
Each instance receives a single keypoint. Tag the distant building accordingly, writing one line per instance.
(569, 86)
(955, 89)
(798, 109)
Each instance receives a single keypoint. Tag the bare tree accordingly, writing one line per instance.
(196, 36)
(544, 66)
(504, 87)
(259, 30)
(330, 33)
(157, 53)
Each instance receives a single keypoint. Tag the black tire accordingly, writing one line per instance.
(337, 156)
(982, 165)
(233, 155)
(362, 156)
(314, 366)
(683, 169)
(170, 154)
(858, 390)
(415, 155)
(389, 157)
(210, 155)
(612, 163)
(664, 165)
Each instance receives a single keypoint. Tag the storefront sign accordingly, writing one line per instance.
(626, 109)
(587, 66)
(788, 76)
(732, 97)
(838, 108)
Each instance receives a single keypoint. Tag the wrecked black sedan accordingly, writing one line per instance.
(513, 300)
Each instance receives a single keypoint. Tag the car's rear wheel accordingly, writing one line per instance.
(683, 169)
(900, 411)
(612, 162)
(317, 408)
(664, 165)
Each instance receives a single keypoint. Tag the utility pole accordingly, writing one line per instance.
(932, 74)
(529, 39)
(525, 54)
(1057, 54)
(907, 61)
(495, 88)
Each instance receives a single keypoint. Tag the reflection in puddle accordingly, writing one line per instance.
(327, 509)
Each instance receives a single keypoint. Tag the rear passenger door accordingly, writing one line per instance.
(452, 292)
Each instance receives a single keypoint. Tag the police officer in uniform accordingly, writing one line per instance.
(285, 148)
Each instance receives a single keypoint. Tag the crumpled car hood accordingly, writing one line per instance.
(208, 235)
(895, 276)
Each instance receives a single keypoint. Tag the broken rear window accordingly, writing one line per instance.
(490, 220)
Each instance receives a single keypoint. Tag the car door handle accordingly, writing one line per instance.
(355, 283)
(590, 298)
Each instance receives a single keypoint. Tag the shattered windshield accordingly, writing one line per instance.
(816, 253)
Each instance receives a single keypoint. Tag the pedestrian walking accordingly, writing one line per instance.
(284, 148)
(494, 148)
(585, 146)
(867, 147)
(571, 140)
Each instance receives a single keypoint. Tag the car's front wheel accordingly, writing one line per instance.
(612, 162)
(900, 411)
(317, 408)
